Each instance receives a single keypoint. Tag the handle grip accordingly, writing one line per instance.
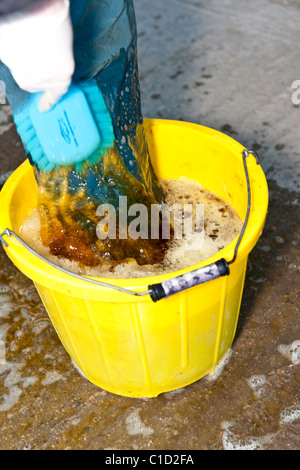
(191, 279)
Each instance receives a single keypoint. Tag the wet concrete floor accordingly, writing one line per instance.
(229, 66)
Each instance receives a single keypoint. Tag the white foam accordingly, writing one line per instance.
(3, 330)
(40, 326)
(290, 415)
(27, 381)
(231, 442)
(219, 369)
(6, 305)
(2, 353)
(52, 377)
(256, 383)
(291, 351)
(8, 400)
(135, 426)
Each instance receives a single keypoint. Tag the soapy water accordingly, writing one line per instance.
(221, 226)
(68, 203)
(231, 442)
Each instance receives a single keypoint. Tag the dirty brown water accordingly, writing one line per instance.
(219, 225)
(252, 401)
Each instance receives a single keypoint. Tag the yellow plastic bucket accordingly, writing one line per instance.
(130, 345)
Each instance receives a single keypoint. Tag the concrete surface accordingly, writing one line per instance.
(229, 65)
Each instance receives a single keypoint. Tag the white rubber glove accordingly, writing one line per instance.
(37, 47)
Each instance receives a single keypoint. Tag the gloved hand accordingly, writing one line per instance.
(37, 46)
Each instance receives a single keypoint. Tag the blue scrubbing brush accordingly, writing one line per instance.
(76, 131)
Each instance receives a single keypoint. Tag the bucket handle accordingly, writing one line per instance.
(213, 271)
(171, 286)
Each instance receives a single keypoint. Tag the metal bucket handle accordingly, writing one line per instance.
(171, 286)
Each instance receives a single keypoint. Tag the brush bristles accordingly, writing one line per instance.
(103, 121)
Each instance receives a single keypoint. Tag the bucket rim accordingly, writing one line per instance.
(38, 271)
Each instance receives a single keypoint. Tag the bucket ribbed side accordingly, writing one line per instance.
(57, 318)
(74, 324)
(222, 303)
(141, 349)
(184, 330)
